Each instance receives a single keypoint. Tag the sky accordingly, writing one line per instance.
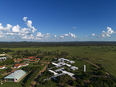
(57, 20)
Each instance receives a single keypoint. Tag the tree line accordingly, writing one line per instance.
(52, 44)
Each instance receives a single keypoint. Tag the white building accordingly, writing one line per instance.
(2, 67)
(68, 65)
(74, 68)
(53, 72)
(71, 62)
(70, 74)
(59, 69)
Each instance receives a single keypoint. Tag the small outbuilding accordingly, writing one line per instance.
(15, 76)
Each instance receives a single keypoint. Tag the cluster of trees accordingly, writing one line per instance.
(63, 78)
(102, 82)
(6, 50)
(44, 75)
(30, 77)
(7, 62)
(5, 70)
(39, 53)
(46, 44)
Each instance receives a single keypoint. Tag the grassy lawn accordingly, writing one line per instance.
(48, 84)
(10, 84)
(9, 66)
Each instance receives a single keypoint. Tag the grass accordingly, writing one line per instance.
(9, 66)
(104, 55)
(10, 84)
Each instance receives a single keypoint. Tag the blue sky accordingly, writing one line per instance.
(57, 20)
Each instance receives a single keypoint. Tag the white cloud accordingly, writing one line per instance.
(93, 34)
(24, 37)
(61, 36)
(107, 33)
(28, 37)
(38, 38)
(7, 28)
(47, 35)
(110, 31)
(65, 35)
(39, 34)
(86, 36)
(25, 31)
(2, 34)
(16, 28)
(74, 27)
(10, 33)
(29, 24)
(25, 18)
(55, 36)
(34, 29)
(31, 37)
(1, 27)
(72, 35)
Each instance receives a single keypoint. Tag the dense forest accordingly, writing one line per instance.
(46, 44)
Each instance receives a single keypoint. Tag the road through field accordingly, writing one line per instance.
(93, 64)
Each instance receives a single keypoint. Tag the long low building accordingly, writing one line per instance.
(70, 74)
(15, 76)
(53, 72)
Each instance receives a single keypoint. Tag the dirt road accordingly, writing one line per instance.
(34, 82)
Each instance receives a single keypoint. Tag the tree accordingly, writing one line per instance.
(63, 78)
(8, 70)
(96, 84)
(90, 85)
(74, 83)
(105, 84)
(82, 84)
(27, 69)
(65, 85)
(110, 82)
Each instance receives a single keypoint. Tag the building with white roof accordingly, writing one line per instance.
(68, 65)
(71, 61)
(15, 76)
(74, 68)
(55, 64)
(70, 74)
(60, 64)
(53, 72)
(2, 67)
(59, 69)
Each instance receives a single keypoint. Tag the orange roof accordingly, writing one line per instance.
(25, 58)
(19, 59)
(16, 65)
(23, 64)
(86, 81)
(14, 59)
(1, 66)
(33, 60)
(31, 57)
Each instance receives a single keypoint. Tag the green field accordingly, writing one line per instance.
(10, 84)
(104, 55)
